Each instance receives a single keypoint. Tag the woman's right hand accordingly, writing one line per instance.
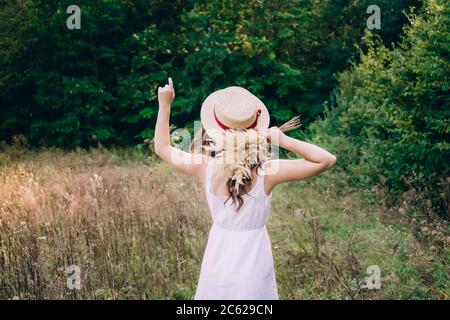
(166, 95)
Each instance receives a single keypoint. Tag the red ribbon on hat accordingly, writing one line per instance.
(225, 127)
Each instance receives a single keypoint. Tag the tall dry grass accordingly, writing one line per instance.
(137, 230)
(133, 229)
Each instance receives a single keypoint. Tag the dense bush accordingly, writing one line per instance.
(389, 121)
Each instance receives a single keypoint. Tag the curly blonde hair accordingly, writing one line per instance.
(240, 151)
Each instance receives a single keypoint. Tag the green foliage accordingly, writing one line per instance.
(81, 87)
(286, 52)
(72, 88)
(390, 118)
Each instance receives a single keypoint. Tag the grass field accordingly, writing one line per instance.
(137, 230)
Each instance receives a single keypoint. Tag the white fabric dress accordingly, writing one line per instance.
(238, 262)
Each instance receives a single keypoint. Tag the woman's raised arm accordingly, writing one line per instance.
(315, 160)
(192, 164)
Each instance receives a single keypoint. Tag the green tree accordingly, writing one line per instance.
(78, 88)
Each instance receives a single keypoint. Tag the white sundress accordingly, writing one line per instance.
(238, 261)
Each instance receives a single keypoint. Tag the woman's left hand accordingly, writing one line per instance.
(166, 94)
(274, 135)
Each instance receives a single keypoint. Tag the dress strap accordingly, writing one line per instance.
(261, 177)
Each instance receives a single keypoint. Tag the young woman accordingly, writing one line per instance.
(238, 180)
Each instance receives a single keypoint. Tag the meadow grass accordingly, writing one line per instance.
(137, 230)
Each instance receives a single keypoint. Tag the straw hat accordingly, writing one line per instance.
(233, 108)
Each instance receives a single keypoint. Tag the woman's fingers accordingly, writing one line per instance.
(167, 92)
